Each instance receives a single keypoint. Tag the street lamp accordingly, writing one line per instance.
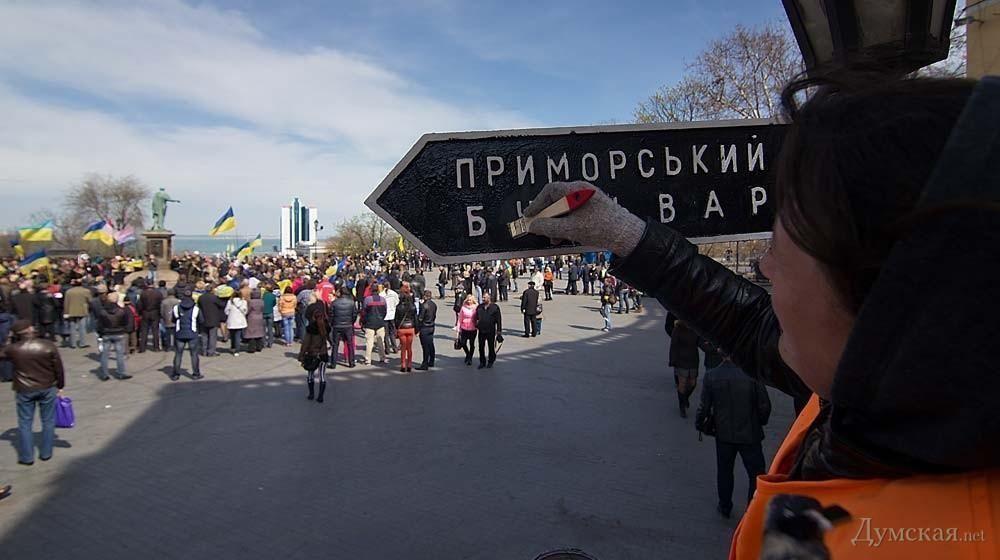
(895, 36)
(316, 230)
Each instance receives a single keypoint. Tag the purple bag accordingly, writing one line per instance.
(64, 413)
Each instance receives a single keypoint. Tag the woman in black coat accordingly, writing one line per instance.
(314, 354)
(685, 360)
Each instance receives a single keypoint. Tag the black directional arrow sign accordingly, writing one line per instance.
(454, 193)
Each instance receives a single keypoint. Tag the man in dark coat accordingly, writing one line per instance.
(426, 320)
(739, 407)
(148, 307)
(343, 314)
(490, 326)
(442, 281)
(574, 276)
(114, 324)
(212, 315)
(684, 359)
(22, 301)
(491, 285)
(46, 312)
(529, 307)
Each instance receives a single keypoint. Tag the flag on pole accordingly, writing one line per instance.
(41, 232)
(15, 245)
(100, 231)
(224, 224)
(125, 235)
(400, 245)
(247, 248)
(34, 261)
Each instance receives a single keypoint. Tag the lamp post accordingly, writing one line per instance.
(316, 229)
(890, 36)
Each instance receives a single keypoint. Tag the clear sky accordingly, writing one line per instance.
(251, 102)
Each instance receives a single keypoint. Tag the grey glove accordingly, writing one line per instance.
(601, 223)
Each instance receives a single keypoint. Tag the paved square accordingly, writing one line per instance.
(573, 439)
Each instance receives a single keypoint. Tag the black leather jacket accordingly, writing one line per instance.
(735, 315)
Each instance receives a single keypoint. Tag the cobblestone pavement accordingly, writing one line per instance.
(572, 440)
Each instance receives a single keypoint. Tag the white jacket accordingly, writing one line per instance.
(391, 301)
(236, 313)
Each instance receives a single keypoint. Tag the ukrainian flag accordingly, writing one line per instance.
(247, 248)
(34, 261)
(400, 246)
(225, 223)
(100, 231)
(41, 232)
(15, 245)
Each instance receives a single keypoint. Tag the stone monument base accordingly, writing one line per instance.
(160, 244)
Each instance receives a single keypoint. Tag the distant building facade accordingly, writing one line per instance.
(297, 229)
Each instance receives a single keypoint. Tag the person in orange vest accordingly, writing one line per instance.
(883, 314)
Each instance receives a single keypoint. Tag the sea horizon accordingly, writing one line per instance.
(221, 243)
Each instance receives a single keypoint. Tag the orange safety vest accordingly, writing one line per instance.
(927, 516)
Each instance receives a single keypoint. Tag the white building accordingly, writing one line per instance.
(298, 227)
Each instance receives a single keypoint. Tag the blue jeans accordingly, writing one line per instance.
(193, 347)
(606, 313)
(268, 330)
(46, 401)
(288, 323)
(118, 341)
(77, 331)
(236, 339)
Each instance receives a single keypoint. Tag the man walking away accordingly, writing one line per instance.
(76, 307)
(373, 321)
(114, 324)
(149, 310)
(684, 359)
(38, 379)
(210, 309)
(188, 323)
(425, 325)
(529, 307)
(343, 313)
(168, 325)
(441, 283)
(490, 327)
(739, 408)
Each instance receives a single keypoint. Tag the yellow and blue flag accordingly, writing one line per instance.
(15, 245)
(399, 244)
(225, 223)
(34, 261)
(247, 248)
(41, 232)
(100, 231)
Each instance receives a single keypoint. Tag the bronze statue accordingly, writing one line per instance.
(160, 200)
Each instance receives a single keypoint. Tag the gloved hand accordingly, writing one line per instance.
(601, 223)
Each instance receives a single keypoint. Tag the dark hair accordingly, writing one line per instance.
(853, 165)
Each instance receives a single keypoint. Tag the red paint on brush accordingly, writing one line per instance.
(577, 199)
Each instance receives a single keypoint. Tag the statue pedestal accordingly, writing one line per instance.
(160, 244)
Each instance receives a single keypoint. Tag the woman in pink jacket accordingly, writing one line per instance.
(466, 327)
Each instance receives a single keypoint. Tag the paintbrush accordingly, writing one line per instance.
(565, 205)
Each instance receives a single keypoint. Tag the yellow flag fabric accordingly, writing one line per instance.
(41, 232)
(35, 261)
(400, 245)
(225, 223)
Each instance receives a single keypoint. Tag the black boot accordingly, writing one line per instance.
(682, 403)
(322, 389)
(312, 388)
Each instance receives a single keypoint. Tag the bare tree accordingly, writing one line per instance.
(104, 197)
(360, 233)
(739, 76)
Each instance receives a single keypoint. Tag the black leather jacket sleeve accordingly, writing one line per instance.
(732, 312)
